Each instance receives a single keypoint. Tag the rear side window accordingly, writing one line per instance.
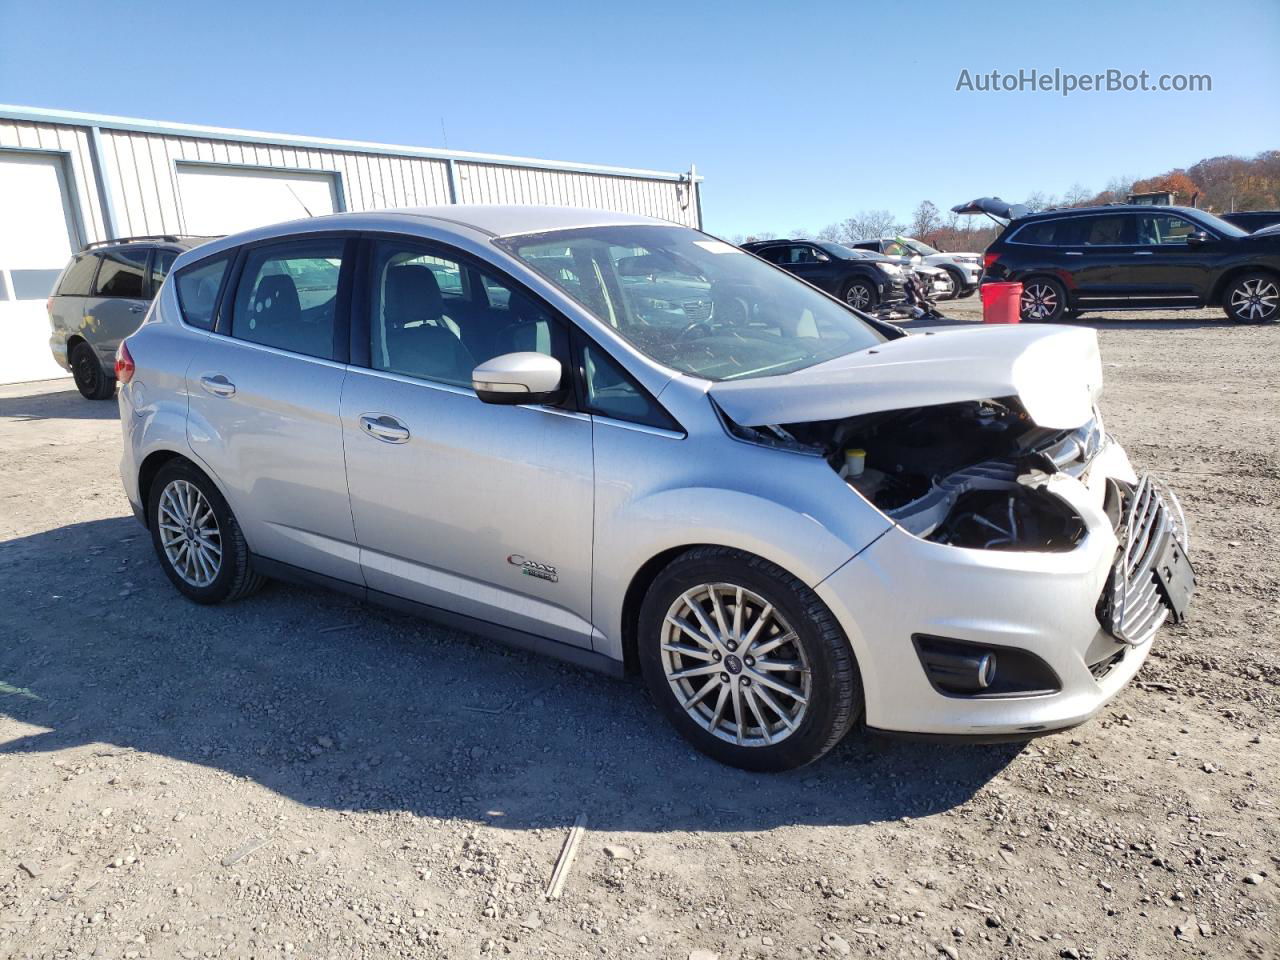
(198, 291)
(1042, 234)
(122, 274)
(288, 297)
(78, 280)
(1108, 229)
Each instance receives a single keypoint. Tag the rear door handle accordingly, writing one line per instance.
(384, 428)
(1144, 253)
(218, 385)
(1075, 253)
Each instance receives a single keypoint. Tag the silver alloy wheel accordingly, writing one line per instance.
(1039, 301)
(858, 296)
(189, 533)
(735, 665)
(1255, 299)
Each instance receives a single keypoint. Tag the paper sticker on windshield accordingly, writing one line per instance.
(716, 246)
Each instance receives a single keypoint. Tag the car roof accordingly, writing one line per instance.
(177, 241)
(1107, 208)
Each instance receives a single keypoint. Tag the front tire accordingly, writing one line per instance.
(91, 380)
(1253, 298)
(957, 285)
(746, 662)
(196, 537)
(1043, 301)
(861, 294)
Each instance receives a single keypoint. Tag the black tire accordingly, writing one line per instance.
(91, 380)
(1044, 300)
(867, 299)
(835, 697)
(1253, 298)
(235, 577)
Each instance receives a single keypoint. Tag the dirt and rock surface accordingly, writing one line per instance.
(300, 776)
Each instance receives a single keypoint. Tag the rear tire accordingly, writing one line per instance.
(91, 380)
(1043, 301)
(861, 294)
(771, 698)
(1253, 298)
(196, 537)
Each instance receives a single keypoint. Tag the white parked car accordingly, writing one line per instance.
(632, 445)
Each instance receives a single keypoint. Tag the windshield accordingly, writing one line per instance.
(1221, 226)
(921, 247)
(693, 303)
(845, 253)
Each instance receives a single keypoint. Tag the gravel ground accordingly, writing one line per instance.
(300, 775)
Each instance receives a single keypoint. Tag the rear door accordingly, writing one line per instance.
(119, 300)
(264, 398)
(477, 509)
(1098, 255)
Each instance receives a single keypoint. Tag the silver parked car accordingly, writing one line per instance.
(100, 299)
(964, 269)
(786, 516)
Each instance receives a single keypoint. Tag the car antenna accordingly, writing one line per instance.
(299, 199)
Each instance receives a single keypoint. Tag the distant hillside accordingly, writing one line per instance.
(1218, 184)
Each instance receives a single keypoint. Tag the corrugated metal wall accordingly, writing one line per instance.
(148, 199)
(139, 176)
(74, 142)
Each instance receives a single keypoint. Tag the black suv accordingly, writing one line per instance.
(1126, 256)
(861, 279)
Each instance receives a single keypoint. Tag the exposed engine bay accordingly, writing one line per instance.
(970, 474)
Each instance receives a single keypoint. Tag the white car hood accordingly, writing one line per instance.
(1055, 372)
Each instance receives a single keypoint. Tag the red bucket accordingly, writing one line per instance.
(1000, 302)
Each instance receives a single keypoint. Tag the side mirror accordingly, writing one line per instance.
(515, 378)
(1198, 238)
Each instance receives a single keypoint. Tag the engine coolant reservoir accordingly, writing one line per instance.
(855, 461)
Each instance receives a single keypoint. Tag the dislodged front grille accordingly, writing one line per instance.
(1133, 606)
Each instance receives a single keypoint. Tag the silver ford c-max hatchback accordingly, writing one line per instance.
(630, 444)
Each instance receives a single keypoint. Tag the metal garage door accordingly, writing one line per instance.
(37, 235)
(217, 200)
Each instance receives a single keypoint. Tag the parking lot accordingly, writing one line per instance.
(300, 775)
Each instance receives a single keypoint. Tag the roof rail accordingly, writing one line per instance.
(162, 237)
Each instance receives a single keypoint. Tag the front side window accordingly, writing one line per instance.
(161, 264)
(893, 248)
(198, 288)
(693, 303)
(1164, 229)
(438, 318)
(121, 274)
(78, 280)
(610, 392)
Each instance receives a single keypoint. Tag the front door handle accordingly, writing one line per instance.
(1075, 253)
(1144, 253)
(385, 428)
(136, 308)
(218, 385)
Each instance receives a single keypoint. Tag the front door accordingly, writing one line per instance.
(1167, 271)
(476, 509)
(264, 400)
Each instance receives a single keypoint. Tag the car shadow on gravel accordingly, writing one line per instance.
(62, 405)
(339, 705)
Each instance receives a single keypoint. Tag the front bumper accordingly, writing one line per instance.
(1043, 603)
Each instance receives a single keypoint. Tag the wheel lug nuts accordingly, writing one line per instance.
(724, 678)
(750, 661)
(716, 655)
(731, 645)
(746, 681)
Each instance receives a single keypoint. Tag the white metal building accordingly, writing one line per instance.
(67, 179)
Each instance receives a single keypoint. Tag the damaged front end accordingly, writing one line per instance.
(974, 474)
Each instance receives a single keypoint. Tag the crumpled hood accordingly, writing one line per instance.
(1055, 372)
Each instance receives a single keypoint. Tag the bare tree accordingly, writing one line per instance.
(1077, 196)
(832, 232)
(925, 221)
(800, 233)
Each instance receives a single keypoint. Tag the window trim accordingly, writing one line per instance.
(230, 257)
(1131, 214)
(152, 287)
(223, 310)
(579, 341)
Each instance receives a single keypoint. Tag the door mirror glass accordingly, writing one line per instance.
(1197, 237)
(515, 378)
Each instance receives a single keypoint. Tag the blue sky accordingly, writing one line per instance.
(798, 115)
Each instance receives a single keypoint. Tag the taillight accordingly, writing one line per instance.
(124, 363)
(989, 259)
